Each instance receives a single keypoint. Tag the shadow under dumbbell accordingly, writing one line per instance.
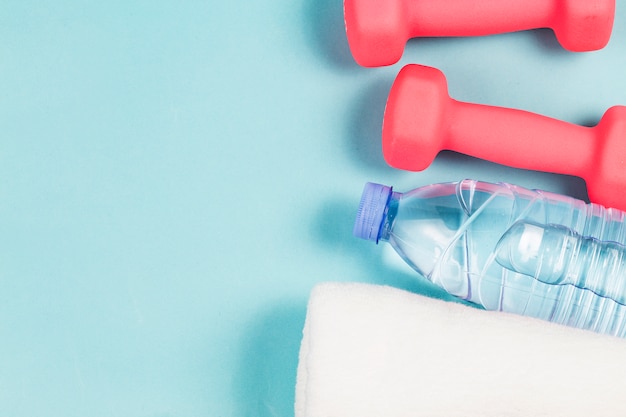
(323, 20)
(448, 164)
(546, 39)
(365, 124)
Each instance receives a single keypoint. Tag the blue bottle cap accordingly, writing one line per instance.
(371, 211)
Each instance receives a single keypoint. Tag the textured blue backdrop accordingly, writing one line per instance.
(175, 176)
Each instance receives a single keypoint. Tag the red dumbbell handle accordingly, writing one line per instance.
(519, 138)
(477, 18)
(421, 120)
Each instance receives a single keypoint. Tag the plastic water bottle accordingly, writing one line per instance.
(508, 248)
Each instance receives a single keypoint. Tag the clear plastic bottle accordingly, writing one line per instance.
(508, 248)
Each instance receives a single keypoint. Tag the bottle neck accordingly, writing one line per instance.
(391, 211)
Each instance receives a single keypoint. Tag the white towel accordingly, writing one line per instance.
(377, 351)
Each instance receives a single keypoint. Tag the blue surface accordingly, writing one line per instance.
(176, 176)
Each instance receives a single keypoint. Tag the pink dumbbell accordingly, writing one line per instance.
(377, 30)
(421, 119)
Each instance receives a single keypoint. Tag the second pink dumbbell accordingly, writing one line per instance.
(377, 30)
(421, 119)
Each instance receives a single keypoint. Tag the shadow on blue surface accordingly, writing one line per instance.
(546, 42)
(546, 39)
(266, 379)
(365, 124)
(323, 20)
(567, 184)
(332, 228)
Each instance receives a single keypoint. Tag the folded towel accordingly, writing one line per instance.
(377, 351)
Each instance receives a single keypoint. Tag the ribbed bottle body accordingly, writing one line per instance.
(450, 234)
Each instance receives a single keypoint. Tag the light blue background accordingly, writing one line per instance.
(175, 177)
